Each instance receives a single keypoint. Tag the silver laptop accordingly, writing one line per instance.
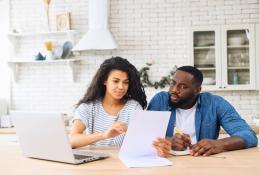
(44, 136)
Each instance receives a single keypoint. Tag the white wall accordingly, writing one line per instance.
(4, 48)
(143, 29)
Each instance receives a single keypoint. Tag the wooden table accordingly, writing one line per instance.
(12, 130)
(12, 162)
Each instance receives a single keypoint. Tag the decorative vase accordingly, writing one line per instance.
(47, 4)
(49, 55)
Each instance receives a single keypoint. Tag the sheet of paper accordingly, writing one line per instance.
(180, 153)
(144, 128)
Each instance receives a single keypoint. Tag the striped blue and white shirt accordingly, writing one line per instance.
(97, 120)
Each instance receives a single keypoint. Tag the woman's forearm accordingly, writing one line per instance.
(79, 140)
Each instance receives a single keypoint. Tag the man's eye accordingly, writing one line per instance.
(183, 86)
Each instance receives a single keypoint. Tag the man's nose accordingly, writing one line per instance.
(174, 89)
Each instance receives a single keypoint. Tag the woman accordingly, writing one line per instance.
(105, 109)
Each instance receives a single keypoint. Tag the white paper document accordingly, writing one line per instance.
(144, 128)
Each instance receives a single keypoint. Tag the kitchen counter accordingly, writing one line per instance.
(7, 130)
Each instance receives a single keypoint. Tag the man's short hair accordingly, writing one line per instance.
(197, 74)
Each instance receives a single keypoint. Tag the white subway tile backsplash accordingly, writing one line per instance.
(143, 29)
(231, 2)
(249, 1)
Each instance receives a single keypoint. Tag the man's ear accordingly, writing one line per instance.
(197, 90)
(104, 83)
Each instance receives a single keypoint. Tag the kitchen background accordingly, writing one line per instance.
(156, 31)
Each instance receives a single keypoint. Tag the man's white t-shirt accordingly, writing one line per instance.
(185, 121)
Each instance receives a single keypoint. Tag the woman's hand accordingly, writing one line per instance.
(163, 146)
(116, 129)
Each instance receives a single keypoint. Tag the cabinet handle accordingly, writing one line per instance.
(224, 87)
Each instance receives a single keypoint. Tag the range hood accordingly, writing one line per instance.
(98, 37)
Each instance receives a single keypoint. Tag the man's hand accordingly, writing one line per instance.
(116, 129)
(207, 147)
(181, 142)
(163, 146)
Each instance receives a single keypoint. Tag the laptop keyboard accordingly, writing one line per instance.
(80, 157)
(86, 156)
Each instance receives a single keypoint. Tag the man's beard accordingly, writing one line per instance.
(182, 102)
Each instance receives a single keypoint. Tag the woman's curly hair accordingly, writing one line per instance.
(97, 89)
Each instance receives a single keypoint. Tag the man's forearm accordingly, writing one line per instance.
(232, 143)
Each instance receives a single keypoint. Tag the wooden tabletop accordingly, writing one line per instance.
(241, 162)
(222, 131)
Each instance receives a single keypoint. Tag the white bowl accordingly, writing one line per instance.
(204, 43)
(57, 53)
(238, 40)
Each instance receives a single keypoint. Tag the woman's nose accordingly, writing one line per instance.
(120, 85)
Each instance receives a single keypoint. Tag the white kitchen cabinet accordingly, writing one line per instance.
(257, 56)
(206, 54)
(225, 55)
(238, 57)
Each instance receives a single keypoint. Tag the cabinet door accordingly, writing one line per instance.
(205, 55)
(238, 57)
(257, 57)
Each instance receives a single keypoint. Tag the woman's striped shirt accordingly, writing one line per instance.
(97, 120)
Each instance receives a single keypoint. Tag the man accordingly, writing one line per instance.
(199, 116)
